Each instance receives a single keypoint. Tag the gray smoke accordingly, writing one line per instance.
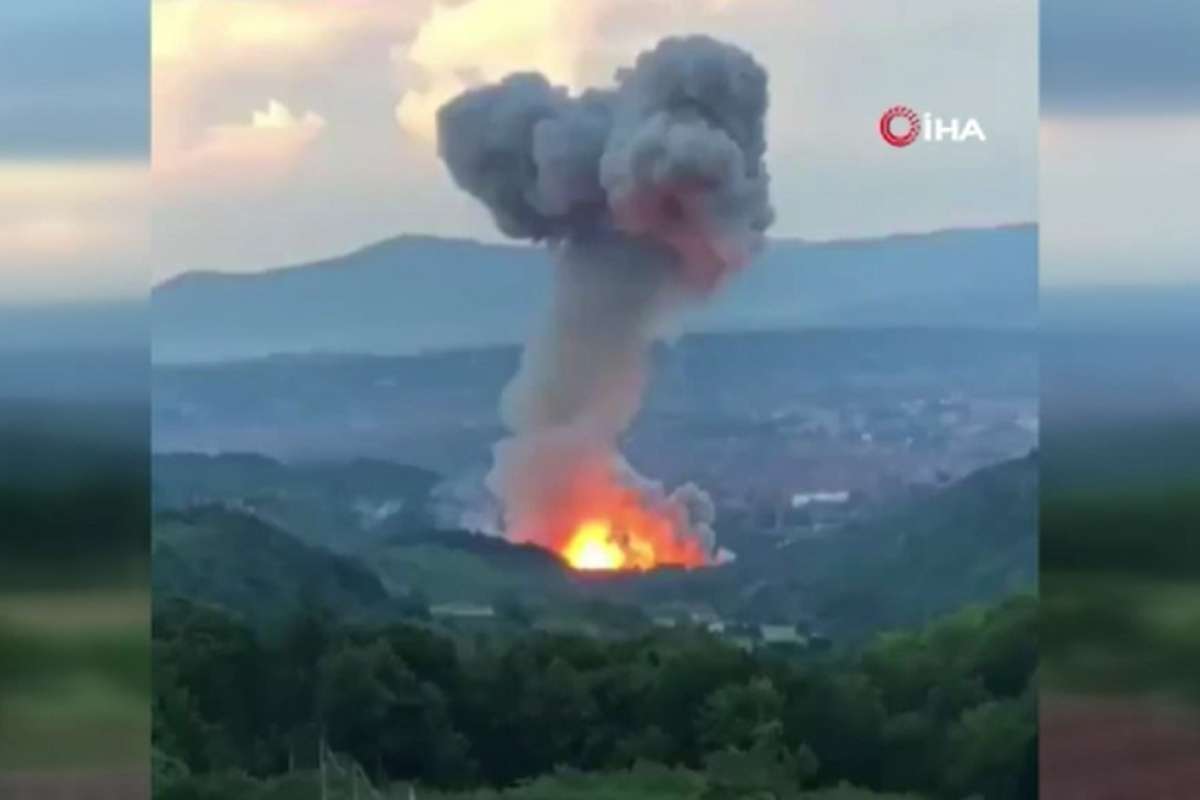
(648, 195)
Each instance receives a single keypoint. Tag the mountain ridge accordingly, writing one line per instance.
(209, 273)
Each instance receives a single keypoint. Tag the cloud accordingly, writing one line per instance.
(277, 116)
(263, 149)
(208, 54)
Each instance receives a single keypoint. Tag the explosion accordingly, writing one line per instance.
(593, 547)
(649, 195)
(602, 523)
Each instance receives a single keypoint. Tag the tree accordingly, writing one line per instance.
(740, 716)
(225, 674)
(511, 608)
(179, 732)
(767, 770)
(376, 709)
(685, 679)
(911, 751)
(354, 699)
(166, 769)
(987, 749)
(914, 711)
(1005, 654)
(904, 668)
(840, 715)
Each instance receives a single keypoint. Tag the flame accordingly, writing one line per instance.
(592, 547)
(593, 517)
(607, 544)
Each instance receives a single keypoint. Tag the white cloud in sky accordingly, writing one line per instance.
(209, 56)
(236, 156)
(277, 116)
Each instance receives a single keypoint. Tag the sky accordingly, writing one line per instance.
(290, 130)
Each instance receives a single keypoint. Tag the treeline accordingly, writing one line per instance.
(943, 712)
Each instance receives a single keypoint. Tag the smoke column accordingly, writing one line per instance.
(648, 196)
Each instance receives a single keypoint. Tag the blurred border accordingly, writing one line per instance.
(74, 468)
(1120, 711)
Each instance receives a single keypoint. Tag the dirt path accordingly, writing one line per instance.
(1118, 749)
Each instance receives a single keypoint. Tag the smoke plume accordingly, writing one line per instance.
(648, 196)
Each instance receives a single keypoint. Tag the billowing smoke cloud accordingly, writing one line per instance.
(648, 195)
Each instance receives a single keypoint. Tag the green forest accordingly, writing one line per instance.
(243, 712)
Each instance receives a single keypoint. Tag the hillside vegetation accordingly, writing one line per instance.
(945, 711)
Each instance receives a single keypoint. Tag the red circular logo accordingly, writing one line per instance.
(907, 137)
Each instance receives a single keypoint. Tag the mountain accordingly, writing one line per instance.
(415, 293)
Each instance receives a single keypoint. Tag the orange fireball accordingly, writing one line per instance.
(594, 522)
(595, 546)
(628, 539)
(592, 548)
